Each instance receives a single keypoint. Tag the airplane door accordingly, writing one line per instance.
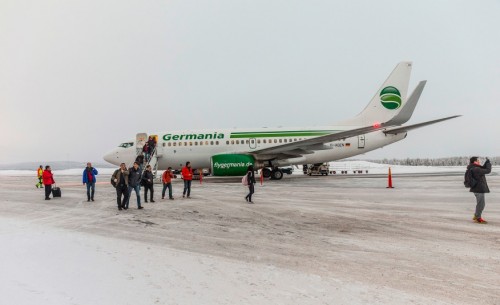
(252, 143)
(140, 140)
(361, 141)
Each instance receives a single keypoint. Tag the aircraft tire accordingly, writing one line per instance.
(266, 172)
(276, 174)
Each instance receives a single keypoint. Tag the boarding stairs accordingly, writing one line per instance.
(141, 139)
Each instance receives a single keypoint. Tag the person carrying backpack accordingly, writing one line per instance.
(119, 180)
(475, 178)
(250, 180)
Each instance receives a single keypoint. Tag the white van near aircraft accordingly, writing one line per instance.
(228, 152)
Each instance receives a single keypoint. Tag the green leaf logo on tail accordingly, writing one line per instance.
(390, 98)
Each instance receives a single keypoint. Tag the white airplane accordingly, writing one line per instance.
(229, 152)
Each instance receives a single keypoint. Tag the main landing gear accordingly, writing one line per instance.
(274, 173)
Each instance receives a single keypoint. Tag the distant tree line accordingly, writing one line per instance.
(449, 161)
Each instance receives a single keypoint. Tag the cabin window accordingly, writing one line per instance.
(247, 141)
(206, 142)
(275, 141)
(211, 142)
(196, 143)
(281, 141)
(216, 142)
(227, 142)
(258, 141)
(174, 143)
(126, 145)
(169, 144)
(285, 140)
(232, 142)
(237, 141)
(190, 143)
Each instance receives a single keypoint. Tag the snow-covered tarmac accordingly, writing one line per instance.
(307, 240)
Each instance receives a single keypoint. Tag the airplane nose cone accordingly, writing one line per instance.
(111, 157)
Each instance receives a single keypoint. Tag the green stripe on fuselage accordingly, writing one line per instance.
(281, 134)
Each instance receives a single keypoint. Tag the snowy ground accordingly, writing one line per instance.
(349, 166)
(307, 240)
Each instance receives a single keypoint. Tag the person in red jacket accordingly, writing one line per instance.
(187, 176)
(48, 180)
(166, 178)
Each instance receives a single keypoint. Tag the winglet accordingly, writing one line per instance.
(405, 114)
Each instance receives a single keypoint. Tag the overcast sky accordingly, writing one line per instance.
(79, 77)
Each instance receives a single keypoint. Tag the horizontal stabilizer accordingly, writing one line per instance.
(415, 126)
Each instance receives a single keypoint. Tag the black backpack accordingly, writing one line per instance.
(469, 180)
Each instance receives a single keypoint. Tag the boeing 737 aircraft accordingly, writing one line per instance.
(228, 152)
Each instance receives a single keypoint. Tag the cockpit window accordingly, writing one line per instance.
(126, 145)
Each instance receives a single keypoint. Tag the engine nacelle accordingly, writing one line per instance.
(230, 164)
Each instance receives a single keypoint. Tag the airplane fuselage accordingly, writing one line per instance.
(198, 146)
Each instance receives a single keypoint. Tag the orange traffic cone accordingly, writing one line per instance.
(201, 174)
(261, 176)
(389, 180)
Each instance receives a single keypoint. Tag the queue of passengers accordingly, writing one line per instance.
(125, 181)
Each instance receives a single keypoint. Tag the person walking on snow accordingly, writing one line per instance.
(187, 176)
(39, 175)
(481, 187)
(147, 179)
(48, 180)
(251, 183)
(88, 178)
(120, 179)
(166, 178)
(134, 183)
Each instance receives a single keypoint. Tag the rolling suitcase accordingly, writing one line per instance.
(56, 192)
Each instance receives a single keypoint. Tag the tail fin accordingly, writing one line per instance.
(388, 100)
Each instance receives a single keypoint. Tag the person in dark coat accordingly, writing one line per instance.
(88, 178)
(251, 183)
(481, 187)
(120, 179)
(48, 180)
(151, 145)
(147, 179)
(140, 160)
(145, 151)
(134, 183)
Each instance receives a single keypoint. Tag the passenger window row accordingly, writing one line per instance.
(232, 142)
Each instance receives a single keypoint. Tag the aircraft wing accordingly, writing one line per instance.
(415, 126)
(307, 146)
